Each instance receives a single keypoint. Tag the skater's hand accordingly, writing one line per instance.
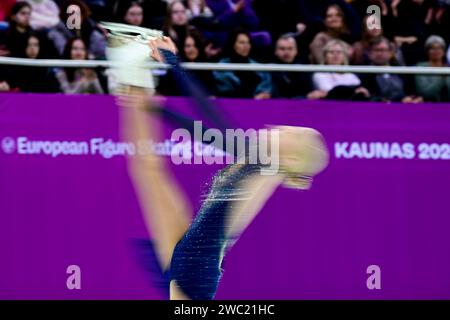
(165, 43)
(89, 74)
(301, 27)
(239, 6)
(4, 86)
(399, 41)
(412, 99)
(363, 91)
(263, 96)
(316, 94)
(212, 51)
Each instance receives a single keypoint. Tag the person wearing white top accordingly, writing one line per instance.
(335, 52)
(326, 81)
(44, 14)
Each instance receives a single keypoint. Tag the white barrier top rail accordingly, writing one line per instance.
(266, 67)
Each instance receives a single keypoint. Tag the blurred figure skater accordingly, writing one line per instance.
(191, 254)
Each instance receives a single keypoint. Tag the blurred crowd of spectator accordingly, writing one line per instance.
(330, 32)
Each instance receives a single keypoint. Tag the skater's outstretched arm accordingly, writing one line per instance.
(188, 85)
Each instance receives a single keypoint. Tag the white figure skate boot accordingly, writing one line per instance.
(128, 48)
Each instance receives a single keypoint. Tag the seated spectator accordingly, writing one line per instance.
(15, 38)
(302, 17)
(193, 51)
(44, 14)
(132, 14)
(434, 87)
(43, 79)
(73, 80)
(242, 84)
(336, 28)
(88, 31)
(387, 87)
(361, 48)
(311, 14)
(339, 86)
(409, 28)
(5, 8)
(289, 84)
(176, 24)
(232, 14)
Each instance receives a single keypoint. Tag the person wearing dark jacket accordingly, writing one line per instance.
(34, 79)
(289, 84)
(387, 87)
(14, 39)
(242, 84)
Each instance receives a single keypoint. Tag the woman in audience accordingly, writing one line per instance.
(195, 48)
(193, 51)
(369, 33)
(242, 84)
(176, 25)
(434, 87)
(73, 80)
(16, 36)
(336, 28)
(337, 85)
(34, 79)
(132, 14)
(87, 30)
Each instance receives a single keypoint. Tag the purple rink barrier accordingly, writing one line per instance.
(384, 200)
